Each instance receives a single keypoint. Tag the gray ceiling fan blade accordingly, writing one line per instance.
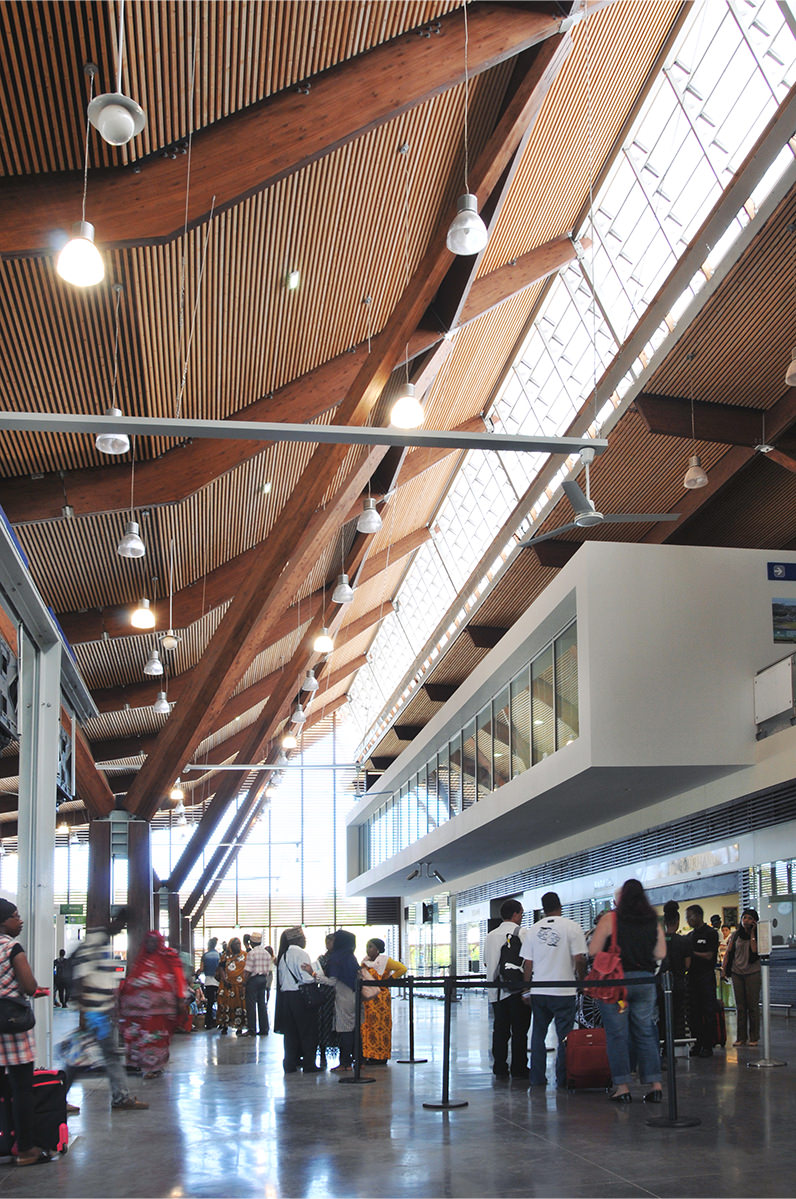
(621, 518)
(548, 536)
(576, 497)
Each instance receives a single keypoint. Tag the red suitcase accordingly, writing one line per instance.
(587, 1060)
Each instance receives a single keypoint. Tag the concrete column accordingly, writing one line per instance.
(175, 928)
(98, 901)
(139, 885)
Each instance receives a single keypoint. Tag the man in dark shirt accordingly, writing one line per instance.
(702, 981)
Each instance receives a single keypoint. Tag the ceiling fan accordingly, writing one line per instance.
(587, 516)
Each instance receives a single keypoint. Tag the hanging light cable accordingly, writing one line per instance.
(696, 475)
(170, 640)
(131, 545)
(80, 262)
(324, 642)
(407, 411)
(467, 233)
(115, 116)
(343, 592)
(114, 443)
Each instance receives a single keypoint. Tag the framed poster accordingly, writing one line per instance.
(783, 618)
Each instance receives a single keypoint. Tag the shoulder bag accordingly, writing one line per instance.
(607, 965)
(314, 994)
(16, 1014)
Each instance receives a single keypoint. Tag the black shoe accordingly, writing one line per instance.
(526, 1074)
(623, 1097)
(499, 1072)
(262, 1034)
(311, 1070)
(653, 1097)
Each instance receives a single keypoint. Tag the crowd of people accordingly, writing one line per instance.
(555, 949)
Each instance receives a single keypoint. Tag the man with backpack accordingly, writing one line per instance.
(511, 1018)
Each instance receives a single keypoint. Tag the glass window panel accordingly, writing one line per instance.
(567, 687)
(521, 722)
(455, 774)
(542, 712)
(432, 795)
(443, 781)
(469, 765)
(501, 745)
(484, 779)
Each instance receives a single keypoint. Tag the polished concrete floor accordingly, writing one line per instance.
(225, 1121)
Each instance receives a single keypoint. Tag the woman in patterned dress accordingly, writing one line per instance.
(231, 1003)
(376, 1013)
(150, 1004)
(18, 1049)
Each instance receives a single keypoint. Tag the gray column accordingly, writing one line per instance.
(39, 714)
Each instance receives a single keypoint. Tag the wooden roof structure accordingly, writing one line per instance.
(324, 137)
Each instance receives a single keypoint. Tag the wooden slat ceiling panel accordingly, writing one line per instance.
(251, 335)
(538, 206)
(108, 664)
(245, 51)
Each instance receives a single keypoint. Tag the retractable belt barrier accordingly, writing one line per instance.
(452, 983)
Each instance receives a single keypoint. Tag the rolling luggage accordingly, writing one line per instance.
(50, 1130)
(719, 1025)
(587, 1060)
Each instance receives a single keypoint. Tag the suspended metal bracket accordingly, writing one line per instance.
(246, 430)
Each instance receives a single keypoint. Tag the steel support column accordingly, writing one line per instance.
(39, 719)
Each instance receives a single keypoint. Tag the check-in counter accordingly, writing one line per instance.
(782, 975)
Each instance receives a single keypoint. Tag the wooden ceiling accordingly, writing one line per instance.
(324, 137)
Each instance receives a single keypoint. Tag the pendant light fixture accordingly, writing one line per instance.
(154, 666)
(763, 447)
(177, 793)
(324, 642)
(131, 545)
(369, 519)
(289, 741)
(114, 443)
(790, 374)
(406, 411)
(80, 262)
(310, 683)
(343, 592)
(115, 116)
(298, 716)
(696, 475)
(170, 640)
(161, 706)
(143, 617)
(467, 234)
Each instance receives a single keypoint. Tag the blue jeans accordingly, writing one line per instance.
(634, 1025)
(545, 1008)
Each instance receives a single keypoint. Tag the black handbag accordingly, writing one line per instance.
(16, 1014)
(313, 994)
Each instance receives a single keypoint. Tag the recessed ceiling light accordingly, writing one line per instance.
(266, 488)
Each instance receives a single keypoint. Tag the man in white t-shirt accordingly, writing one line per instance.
(555, 950)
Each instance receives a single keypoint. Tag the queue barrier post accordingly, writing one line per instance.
(411, 1060)
(357, 1077)
(766, 1061)
(671, 1120)
(447, 1103)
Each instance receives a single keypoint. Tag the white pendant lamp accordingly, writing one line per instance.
(343, 592)
(324, 642)
(790, 374)
(178, 794)
(114, 443)
(310, 683)
(80, 262)
(298, 716)
(696, 475)
(143, 617)
(289, 741)
(131, 545)
(115, 116)
(154, 666)
(161, 705)
(369, 519)
(407, 411)
(169, 641)
(467, 234)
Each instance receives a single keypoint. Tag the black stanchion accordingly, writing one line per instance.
(671, 1120)
(411, 1060)
(356, 1077)
(446, 1103)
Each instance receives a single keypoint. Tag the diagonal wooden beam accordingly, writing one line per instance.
(728, 424)
(248, 152)
(90, 783)
(488, 291)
